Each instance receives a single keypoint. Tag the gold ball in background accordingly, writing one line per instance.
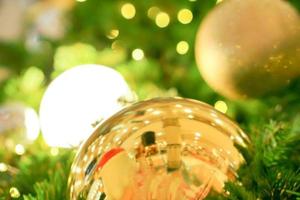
(165, 148)
(249, 48)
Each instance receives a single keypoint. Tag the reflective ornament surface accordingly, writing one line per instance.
(249, 48)
(163, 149)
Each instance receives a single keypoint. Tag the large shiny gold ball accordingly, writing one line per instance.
(248, 48)
(167, 148)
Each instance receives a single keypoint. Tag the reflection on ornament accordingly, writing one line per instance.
(19, 122)
(78, 99)
(166, 148)
(249, 48)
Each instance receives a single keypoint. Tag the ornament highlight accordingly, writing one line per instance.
(249, 48)
(165, 148)
(78, 99)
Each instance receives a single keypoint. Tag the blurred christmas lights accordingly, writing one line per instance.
(185, 16)
(3, 167)
(152, 12)
(128, 11)
(19, 149)
(182, 47)
(221, 106)
(162, 19)
(113, 34)
(117, 45)
(138, 54)
(14, 193)
(54, 151)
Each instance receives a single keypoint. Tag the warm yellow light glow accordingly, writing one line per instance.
(19, 149)
(77, 99)
(219, 1)
(3, 167)
(138, 54)
(182, 47)
(162, 20)
(113, 34)
(14, 192)
(54, 151)
(152, 12)
(81, 0)
(32, 124)
(221, 106)
(185, 16)
(128, 11)
(116, 45)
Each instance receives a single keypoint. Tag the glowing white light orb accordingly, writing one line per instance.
(79, 98)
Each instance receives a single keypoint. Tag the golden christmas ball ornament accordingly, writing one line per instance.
(165, 148)
(249, 48)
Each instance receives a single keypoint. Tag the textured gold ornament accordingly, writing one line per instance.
(166, 148)
(248, 48)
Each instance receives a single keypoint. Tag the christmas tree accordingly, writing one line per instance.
(151, 43)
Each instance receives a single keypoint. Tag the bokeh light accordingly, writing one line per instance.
(162, 20)
(128, 11)
(114, 33)
(14, 193)
(152, 12)
(19, 149)
(182, 47)
(3, 167)
(116, 45)
(185, 16)
(138, 54)
(221, 106)
(54, 151)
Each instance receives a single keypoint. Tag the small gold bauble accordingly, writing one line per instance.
(167, 148)
(248, 48)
